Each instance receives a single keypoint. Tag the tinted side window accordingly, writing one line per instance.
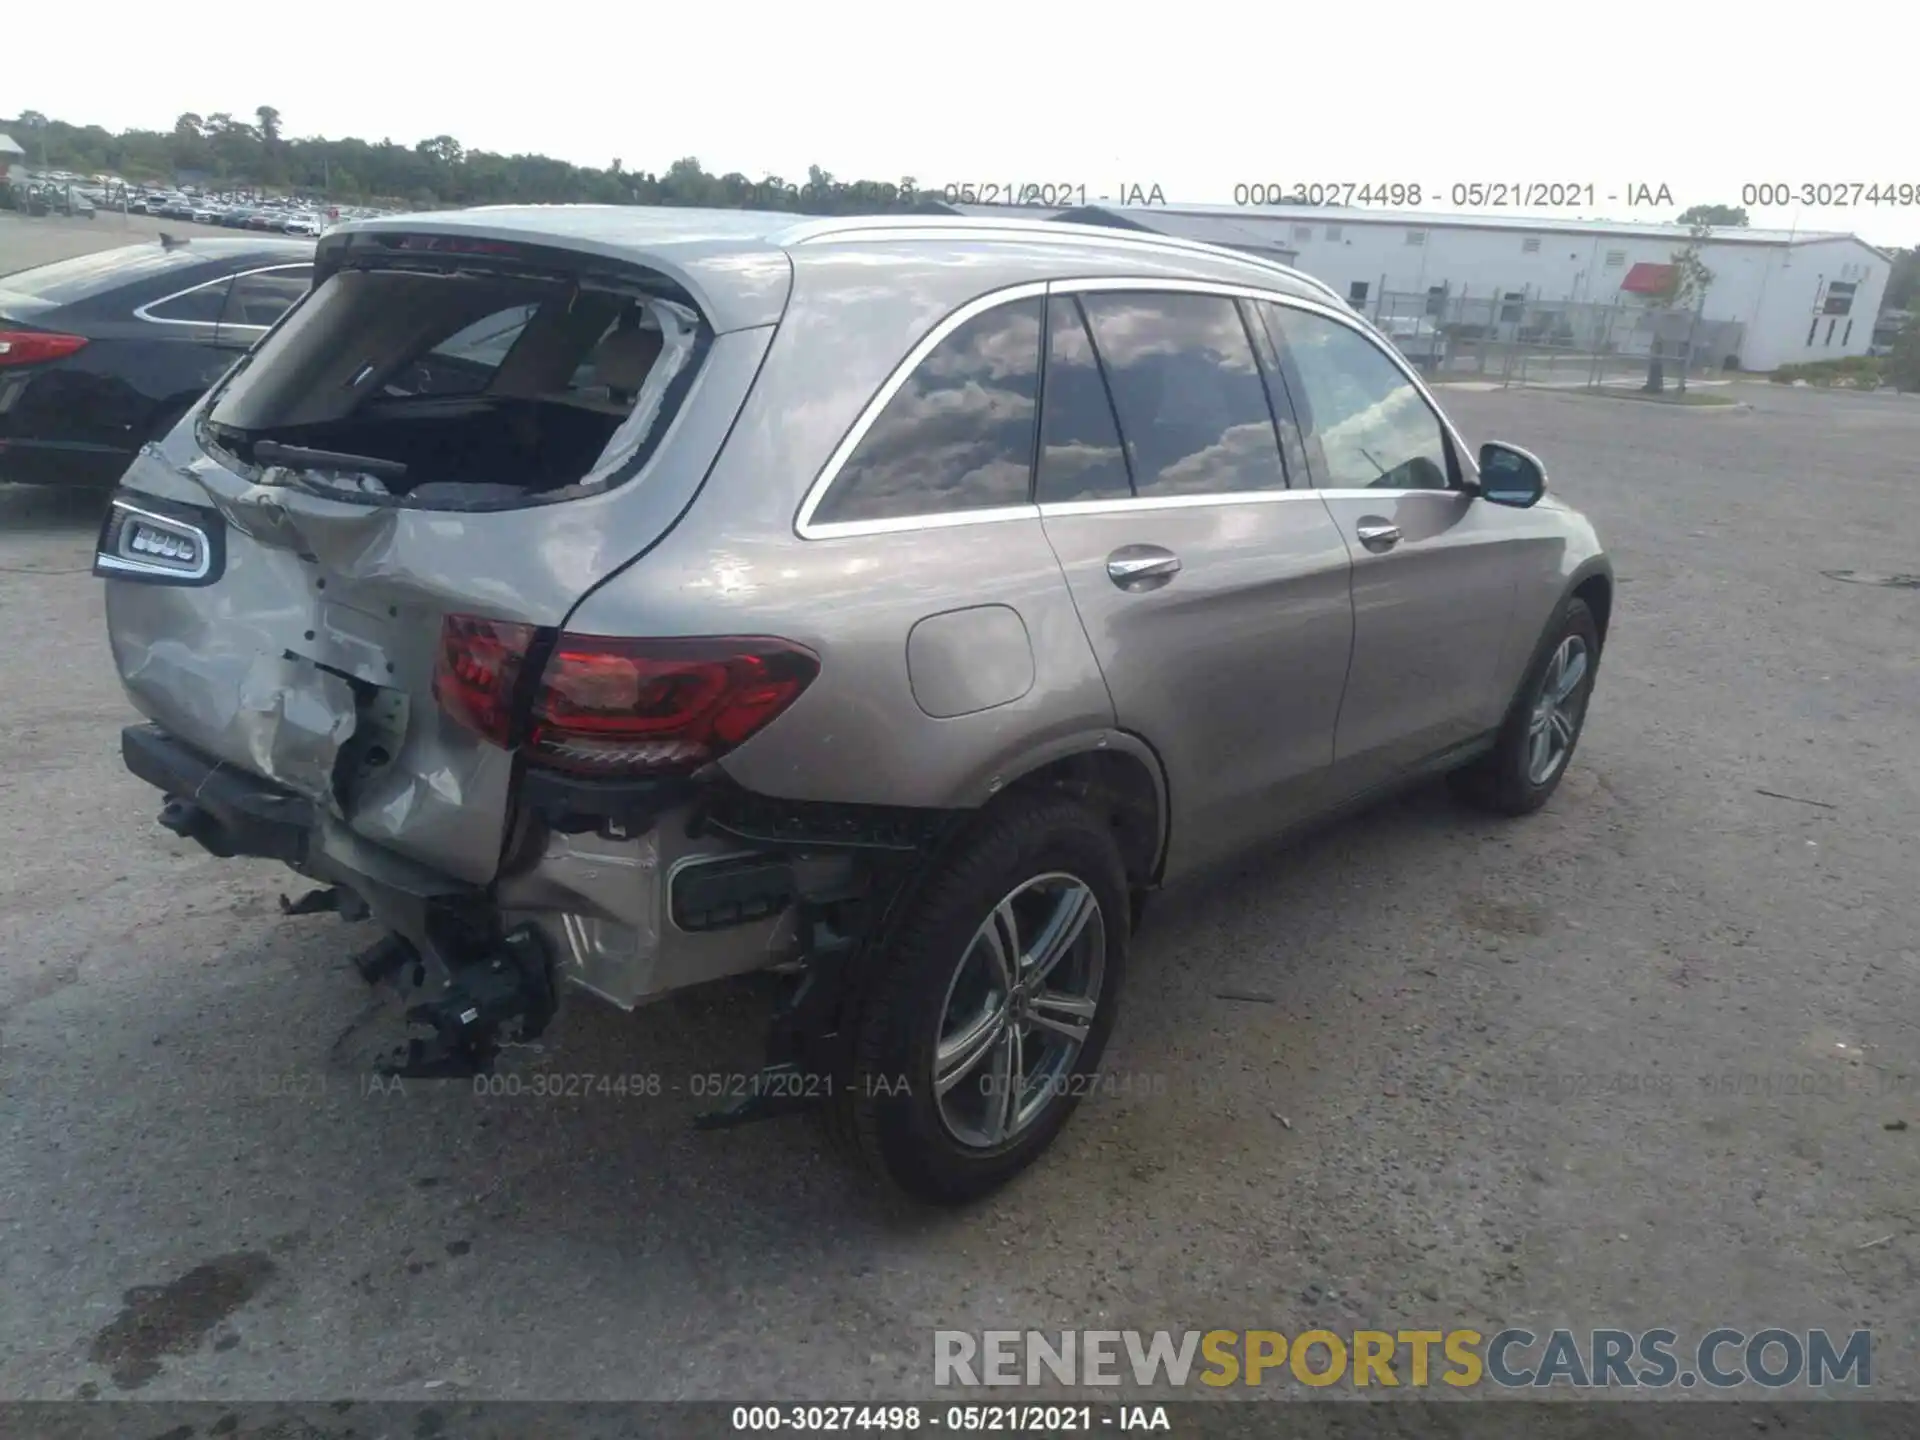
(201, 306)
(1376, 431)
(958, 435)
(1192, 405)
(263, 297)
(1080, 454)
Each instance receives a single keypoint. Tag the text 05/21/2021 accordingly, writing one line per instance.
(1014, 1418)
(1520, 195)
(1057, 194)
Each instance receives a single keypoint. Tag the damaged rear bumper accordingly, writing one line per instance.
(629, 917)
(232, 812)
(228, 812)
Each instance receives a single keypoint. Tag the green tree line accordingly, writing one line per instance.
(258, 154)
(228, 152)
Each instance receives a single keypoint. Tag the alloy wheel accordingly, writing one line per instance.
(1557, 710)
(1018, 1010)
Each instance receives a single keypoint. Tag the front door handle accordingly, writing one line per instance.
(1378, 537)
(1142, 567)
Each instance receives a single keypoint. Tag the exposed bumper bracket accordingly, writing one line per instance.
(386, 958)
(225, 811)
(335, 899)
(506, 993)
(806, 1043)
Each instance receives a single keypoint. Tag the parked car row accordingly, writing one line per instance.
(279, 216)
(102, 353)
(51, 199)
(62, 192)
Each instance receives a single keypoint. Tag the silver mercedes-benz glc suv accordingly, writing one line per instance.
(620, 599)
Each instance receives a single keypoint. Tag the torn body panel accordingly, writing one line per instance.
(274, 715)
(607, 906)
(290, 671)
(310, 663)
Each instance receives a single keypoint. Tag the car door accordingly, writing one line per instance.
(155, 356)
(1434, 569)
(1215, 597)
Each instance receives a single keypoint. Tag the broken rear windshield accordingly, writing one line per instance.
(453, 388)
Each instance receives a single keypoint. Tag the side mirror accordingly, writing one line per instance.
(1510, 475)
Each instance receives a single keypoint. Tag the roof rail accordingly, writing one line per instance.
(937, 227)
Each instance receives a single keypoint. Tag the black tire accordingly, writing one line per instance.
(888, 1117)
(1137, 908)
(1499, 781)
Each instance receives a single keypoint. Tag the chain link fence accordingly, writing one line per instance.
(1516, 337)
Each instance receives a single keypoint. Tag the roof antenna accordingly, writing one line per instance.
(170, 242)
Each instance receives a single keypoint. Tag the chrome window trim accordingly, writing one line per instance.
(804, 524)
(1361, 492)
(1225, 497)
(1173, 502)
(140, 311)
(306, 265)
(807, 529)
(941, 520)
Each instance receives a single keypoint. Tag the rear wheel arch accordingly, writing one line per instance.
(1118, 779)
(888, 1118)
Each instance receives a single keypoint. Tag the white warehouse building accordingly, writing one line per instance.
(1796, 296)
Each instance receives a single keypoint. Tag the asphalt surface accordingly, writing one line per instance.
(1631, 1062)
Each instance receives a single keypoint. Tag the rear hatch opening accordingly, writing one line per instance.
(428, 372)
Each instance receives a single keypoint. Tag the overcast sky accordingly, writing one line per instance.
(1197, 98)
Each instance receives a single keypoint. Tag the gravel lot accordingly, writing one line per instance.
(1489, 1041)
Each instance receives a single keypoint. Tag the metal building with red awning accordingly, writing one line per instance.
(1648, 278)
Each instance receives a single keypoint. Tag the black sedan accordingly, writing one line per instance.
(103, 353)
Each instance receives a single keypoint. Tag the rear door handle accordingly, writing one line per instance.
(1142, 567)
(1378, 537)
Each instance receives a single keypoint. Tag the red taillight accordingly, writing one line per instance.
(30, 347)
(616, 707)
(477, 672)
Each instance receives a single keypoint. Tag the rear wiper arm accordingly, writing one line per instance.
(272, 452)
